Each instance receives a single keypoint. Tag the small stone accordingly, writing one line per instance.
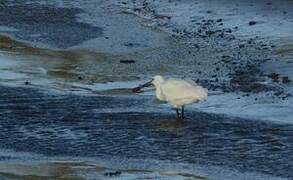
(27, 83)
(229, 30)
(127, 61)
(209, 33)
(241, 46)
(80, 78)
(251, 23)
(219, 20)
(286, 80)
(116, 173)
(274, 76)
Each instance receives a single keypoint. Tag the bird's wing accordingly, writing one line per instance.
(178, 89)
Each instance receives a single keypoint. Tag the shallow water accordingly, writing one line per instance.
(81, 126)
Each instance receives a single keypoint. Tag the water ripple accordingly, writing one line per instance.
(73, 126)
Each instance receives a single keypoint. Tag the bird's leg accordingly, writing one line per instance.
(182, 112)
(177, 113)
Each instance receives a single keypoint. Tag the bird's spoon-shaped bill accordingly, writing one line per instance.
(139, 88)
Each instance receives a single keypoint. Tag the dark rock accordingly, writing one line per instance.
(209, 33)
(221, 35)
(286, 80)
(241, 46)
(160, 16)
(219, 20)
(209, 12)
(225, 57)
(27, 83)
(251, 23)
(127, 61)
(229, 30)
(254, 88)
(279, 93)
(196, 46)
(221, 24)
(110, 174)
(80, 78)
(131, 44)
(274, 77)
(269, 3)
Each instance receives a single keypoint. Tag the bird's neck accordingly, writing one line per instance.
(159, 93)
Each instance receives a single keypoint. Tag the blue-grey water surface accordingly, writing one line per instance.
(72, 125)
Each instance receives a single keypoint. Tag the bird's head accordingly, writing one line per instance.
(156, 81)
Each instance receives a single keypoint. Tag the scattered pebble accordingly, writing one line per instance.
(251, 23)
(274, 77)
(127, 61)
(286, 80)
(116, 173)
(241, 46)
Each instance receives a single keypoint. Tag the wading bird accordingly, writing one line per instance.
(177, 92)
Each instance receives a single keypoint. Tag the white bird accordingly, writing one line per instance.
(177, 92)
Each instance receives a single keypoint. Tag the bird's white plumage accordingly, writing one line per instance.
(178, 92)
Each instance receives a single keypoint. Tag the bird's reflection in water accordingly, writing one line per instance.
(171, 124)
